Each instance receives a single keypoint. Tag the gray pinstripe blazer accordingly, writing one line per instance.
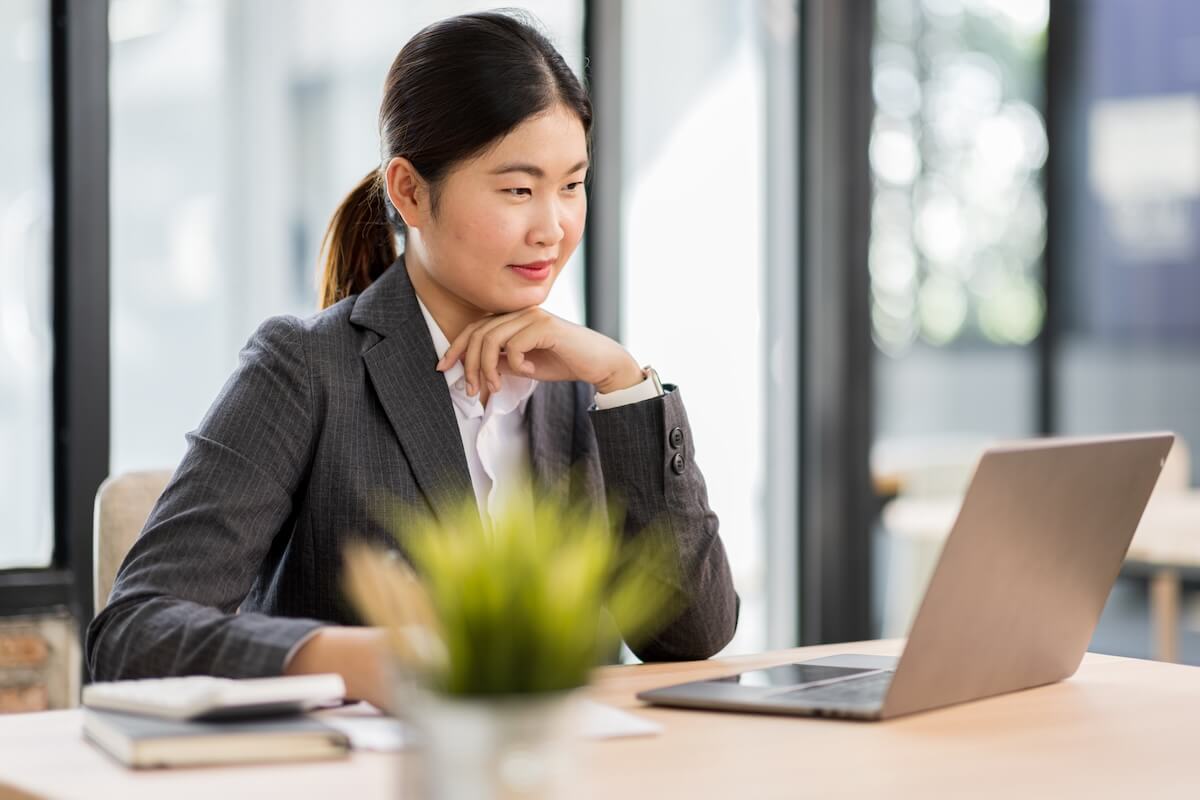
(240, 557)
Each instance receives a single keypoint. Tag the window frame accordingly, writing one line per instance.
(80, 310)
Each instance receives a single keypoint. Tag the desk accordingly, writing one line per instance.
(1119, 728)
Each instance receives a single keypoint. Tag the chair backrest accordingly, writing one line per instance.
(123, 502)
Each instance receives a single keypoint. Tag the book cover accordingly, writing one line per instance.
(144, 741)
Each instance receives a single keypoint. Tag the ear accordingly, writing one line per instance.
(407, 191)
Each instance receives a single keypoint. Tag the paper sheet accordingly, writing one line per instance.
(370, 730)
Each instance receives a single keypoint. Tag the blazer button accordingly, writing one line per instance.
(676, 437)
(677, 463)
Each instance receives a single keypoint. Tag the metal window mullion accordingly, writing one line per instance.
(79, 87)
(835, 343)
(604, 240)
(780, 30)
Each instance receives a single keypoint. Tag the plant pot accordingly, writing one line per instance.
(484, 748)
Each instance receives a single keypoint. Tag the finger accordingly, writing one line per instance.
(459, 344)
(516, 361)
(526, 370)
(503, 368)
(471, 356)
(489, 352)
(531, 337)
(517, 354)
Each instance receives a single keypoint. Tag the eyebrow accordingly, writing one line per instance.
(530, 169)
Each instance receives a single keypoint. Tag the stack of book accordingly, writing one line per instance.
(195, 720)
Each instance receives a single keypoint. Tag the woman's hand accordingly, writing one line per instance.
(357, 654)
(534, 343)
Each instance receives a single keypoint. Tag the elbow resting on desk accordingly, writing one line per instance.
(697, 633)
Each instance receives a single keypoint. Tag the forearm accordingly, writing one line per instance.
(160, 636)
(651, 469)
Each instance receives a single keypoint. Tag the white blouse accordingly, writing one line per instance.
(496, 438)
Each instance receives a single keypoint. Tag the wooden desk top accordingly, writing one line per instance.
(1120, 728)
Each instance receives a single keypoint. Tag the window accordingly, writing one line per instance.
(1129, 357)
(693, 262)
(958, 222)
(958, 228)
(26, 333)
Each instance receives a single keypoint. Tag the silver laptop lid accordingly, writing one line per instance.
(1027, 568)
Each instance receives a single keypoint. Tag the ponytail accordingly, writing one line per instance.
(359, 244)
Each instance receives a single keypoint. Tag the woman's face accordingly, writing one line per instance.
(508, 220)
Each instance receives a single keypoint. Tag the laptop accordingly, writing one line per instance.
(1012, 603)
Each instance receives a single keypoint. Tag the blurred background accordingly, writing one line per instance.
(878, 235)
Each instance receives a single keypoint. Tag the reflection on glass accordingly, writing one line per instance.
(797, 675)
(26, 343)
(958, 220)
(958, 226)
(1130, 352)
(957, 148)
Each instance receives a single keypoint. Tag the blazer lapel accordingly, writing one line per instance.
(551, 418)
(414, 395)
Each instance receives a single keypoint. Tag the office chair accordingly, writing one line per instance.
(123, 502)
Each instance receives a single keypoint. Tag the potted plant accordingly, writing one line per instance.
(495, 628)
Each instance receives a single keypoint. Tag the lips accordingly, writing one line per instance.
(534, 271)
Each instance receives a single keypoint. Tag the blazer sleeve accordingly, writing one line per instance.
(173, 606)
(647, 459)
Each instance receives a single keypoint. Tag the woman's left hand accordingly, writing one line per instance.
(533, 343)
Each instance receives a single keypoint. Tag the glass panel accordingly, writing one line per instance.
(1129, 350)
(237, 128)
(1130, 356)
(26, 332)
(958, 226)
(958, 218)
(693, 261)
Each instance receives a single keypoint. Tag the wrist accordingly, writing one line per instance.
(354, 653)
(628, 375)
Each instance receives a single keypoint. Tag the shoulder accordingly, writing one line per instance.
(330, 323)
(329, 327)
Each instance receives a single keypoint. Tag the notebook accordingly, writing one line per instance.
(207, 697)
(141, 741)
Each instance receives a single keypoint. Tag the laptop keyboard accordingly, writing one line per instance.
(855, 693)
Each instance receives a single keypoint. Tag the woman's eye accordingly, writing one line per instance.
(519, 192)
(571, 187)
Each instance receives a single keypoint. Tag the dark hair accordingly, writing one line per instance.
(454, 89)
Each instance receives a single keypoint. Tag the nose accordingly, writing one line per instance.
(545, 229)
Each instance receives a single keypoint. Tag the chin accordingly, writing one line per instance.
(534, 296)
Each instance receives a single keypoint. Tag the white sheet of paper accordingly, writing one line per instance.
(608, 722)
(370, 730)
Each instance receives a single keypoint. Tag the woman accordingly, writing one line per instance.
(427, 374)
